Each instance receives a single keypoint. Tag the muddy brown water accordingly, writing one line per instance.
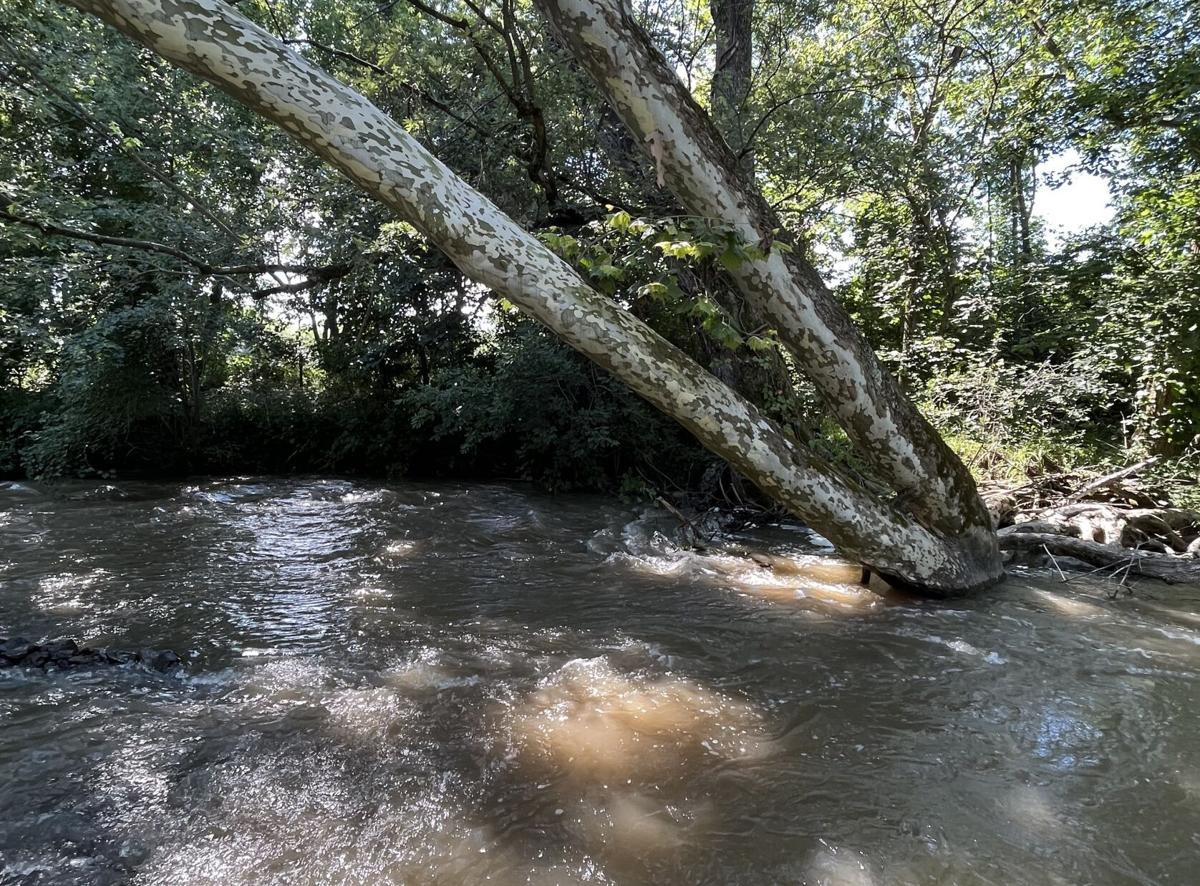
(459, 684)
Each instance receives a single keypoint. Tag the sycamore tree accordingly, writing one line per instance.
(923, 526)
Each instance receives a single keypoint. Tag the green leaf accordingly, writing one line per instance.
(620, 221)
(731, 260)
(656, 290)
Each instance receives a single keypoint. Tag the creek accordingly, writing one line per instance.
(435, 683)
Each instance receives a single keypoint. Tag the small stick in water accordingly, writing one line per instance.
(1056, 566)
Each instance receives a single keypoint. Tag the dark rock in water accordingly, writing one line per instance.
(60, 649)
(159, 659)
(67, 653)
(15, 649)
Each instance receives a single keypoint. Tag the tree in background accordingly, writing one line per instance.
(917, 195)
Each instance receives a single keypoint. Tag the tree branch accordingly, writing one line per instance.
(50, 229)
(410, 88)
(1165, 567)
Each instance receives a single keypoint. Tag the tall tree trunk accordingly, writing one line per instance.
(949, 266)
(733, 21)
(1021, 210)
(694, 162)
(213, 41)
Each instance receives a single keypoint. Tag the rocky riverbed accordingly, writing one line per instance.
(66, 653)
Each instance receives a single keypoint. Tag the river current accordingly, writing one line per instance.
(428, 683)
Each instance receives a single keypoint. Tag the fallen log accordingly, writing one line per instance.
(1176, 518)
(1110, 479)
(1164, 567)
(1156, 528)
(1109, 521)
(1043, 526)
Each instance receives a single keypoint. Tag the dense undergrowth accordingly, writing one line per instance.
(529, 409)
(131, 195)
(524, 408)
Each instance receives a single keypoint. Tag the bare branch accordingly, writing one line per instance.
(50, 229)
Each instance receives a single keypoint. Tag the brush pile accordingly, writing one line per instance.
(1113, 522)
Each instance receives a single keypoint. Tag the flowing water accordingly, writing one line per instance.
(452, 684)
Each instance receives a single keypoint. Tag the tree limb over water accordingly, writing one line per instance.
(934, 536)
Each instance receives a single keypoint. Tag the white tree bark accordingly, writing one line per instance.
(699, 169)
(213, 41)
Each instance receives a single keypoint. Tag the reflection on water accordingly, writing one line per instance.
(441, 684)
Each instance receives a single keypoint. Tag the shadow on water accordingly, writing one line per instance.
(447, 684)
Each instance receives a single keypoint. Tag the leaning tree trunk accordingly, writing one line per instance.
(696, 164)
(763, 377)
(213, 41)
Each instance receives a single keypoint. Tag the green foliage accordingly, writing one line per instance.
(902, 145)
(643, 260)
(115, 380)
(1012, 404)
(541, 412)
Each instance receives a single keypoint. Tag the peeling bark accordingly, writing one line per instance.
(700, 170)
(213, 41)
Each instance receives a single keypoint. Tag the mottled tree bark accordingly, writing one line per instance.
(697, 165)
(733, 22)
(764, 378)
(213, 41)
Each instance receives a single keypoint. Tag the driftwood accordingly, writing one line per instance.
(1058, 489)
(1111, 521)
(1040, 526)
(1123, 561)
(1111, 479)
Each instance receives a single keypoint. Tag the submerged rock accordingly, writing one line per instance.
(159, 659)
(60, 650)
(66, 653)
(14, 649)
